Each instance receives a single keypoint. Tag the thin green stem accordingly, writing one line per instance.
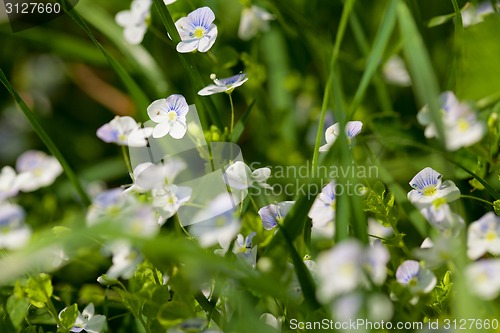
(127, 161)
(232, 114)
(53, 312)
(476, 198)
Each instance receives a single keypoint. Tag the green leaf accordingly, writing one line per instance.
(39, 289)
(381, 204)
(496, 206)
(174, 312)
(68, 316)
(17, 308)
(439, 20)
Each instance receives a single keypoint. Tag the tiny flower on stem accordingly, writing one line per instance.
(323, 208)
(274, 214)
(226, 85)
(135, 21)
(197, 31)
(87, 320)
(124, 131)
(352, 129)
(415, 277)
(239, 176)
(483, 236)
(170, 115)
(36, 169)
(253, 19)
(428, 186)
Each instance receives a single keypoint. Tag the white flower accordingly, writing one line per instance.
(125, 260)
(461, 127)
(482, 277)
(8, 183)
(150, 176)
(323, 208)
(376, 229)
(13, 232)
(197, 31)
(439, 215)
(124, 131)
(253, 20)
(395, 72)
(347, 266)
(135, 20)
(87, 321)
(415, 277)
(352, 129)
(170, 198)
(219, 225)
(428, 186)
(170, 115)
(271, 320)
(375, 307)
(108, 204)
(274, 214)
(239, 176)
(226, 85)
(169, 2)
(243, 249)
(473, 15)
(36, 169)
(483, 236)
(436, 254)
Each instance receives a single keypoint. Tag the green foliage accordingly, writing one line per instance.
(380, 202)
(39, 290)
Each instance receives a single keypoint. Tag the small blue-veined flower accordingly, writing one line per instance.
(108, 204)
(226, 85)
(347, 266)
(428, 186)
(135, 20)
(8, 183)
(126, 258)
(239, 176)
(87, 320)
(352, 129)
(273, 214)
(36, 169)
(323, 208)
(124, 131)
(461, 127)
(219, 225)
(14, 233)
(170, 115)
(415, 277)
(253, 19)
(395, 72)
(197, 31)
(482, 277)
(475, 14)
(439, 215)
(483, 236)
(169, 199)
(243, 249)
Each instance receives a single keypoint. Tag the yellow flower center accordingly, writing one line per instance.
(463, 125)
(413, 282)
(490, 236)
(122, 137)
(199, 32)
(172, 115)
(429, 191)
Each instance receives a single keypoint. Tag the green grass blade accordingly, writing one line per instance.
(37, 127)
(424, 80)
(375, 58)
(140, 99)
(139, 57)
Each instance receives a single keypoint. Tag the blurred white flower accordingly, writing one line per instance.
(197, 31)
(135, 21)
(124, 131)
(8, 183)
(36, 169)
(220, 226)
(14, 233)
(428, 186)
(170, 198)
(415, 277)
(461, 126)
(239, 176)
(375, 228)
(323, 208)
(274, 214)
(440, 216)
(352, 129)
(436, 254)
(170, 115)
(374, 307)
(483, 236)
(108, 204)
(347, 266)
(271, 320)
(253, 19)
(87, 320)
(149, 176)
(125, 260)
(395, 72)
(226, 85)
(243, 249)
(475, 14)
(482, 277)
